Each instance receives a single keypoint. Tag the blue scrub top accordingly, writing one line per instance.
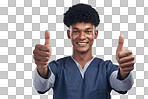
(69, 84)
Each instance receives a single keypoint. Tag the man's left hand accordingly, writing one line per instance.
(125, 59)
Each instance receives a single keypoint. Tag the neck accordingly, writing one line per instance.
(82, 57)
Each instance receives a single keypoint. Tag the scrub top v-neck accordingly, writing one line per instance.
(82, 70)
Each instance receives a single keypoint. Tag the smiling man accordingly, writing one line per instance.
(82, 76)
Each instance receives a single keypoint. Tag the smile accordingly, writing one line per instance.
(82, 43)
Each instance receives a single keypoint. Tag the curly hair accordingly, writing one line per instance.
(81, 13)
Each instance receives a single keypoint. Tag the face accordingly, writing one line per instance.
(82, 36)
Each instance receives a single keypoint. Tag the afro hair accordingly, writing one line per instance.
(81, 13)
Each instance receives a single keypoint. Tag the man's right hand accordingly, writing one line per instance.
(41, 56)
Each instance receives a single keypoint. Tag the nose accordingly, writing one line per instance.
(82, 35)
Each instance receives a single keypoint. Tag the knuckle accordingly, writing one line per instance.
(36, 62)
(46, 53)
(121, 65)
(121, 61)
(44, 63)
(35, 58)
(34, 51)
(49, 53)
(130, 52)
(46, 59)
(133, 62)
(36, 46)
(47, 48)
(132, 57)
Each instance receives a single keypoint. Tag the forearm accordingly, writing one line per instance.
(42, 84)
(44, 72)
(121, 85)
(121, 75)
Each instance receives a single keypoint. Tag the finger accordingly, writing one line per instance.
(120, 43)
(127, 70)
(40, 63)
(35, 58)
(127, 64)
(40, 58)
(124, 53)
(41, 53)
(47, 37)
(126, 59)
(42, 47)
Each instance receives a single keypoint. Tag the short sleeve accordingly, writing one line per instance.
(54, 67)
(110, 68)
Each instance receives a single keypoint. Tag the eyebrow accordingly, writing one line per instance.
(75, 28)
(78, 28)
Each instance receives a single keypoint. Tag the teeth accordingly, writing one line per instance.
(82, 43)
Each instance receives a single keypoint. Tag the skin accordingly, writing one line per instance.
(125, 59)
(42, 53)
(82, 32)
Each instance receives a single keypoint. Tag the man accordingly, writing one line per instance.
(82, 76)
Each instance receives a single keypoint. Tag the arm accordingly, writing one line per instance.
(125, 59)
(41, 84)
(43, 75)
(121, 85)
(42, 53)
(122, 79)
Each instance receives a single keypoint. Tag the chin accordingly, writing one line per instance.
(83, 51)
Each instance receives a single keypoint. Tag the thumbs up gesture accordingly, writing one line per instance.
(42, 53)
(124, 58)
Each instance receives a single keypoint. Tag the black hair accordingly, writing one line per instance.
(81, 13)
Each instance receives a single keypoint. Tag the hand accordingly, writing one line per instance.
(42, 53)
(124, 58)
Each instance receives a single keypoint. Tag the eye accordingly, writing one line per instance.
(75, 31)
(88, 31)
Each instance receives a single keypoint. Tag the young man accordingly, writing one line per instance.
(82, 76)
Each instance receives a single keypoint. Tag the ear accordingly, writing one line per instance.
(68, 34)
(96, 34)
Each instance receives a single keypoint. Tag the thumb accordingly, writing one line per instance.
(120, 43)
(47, 37)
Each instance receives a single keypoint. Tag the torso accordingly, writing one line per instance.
(70, 84)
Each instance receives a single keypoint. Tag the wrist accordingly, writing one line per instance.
(43, 71)
(42, 67)
(122, 75)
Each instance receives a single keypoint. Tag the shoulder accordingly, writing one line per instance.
(56, 65)
(101, 61)
(64, 59)
(60, 61)
(105, 63)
